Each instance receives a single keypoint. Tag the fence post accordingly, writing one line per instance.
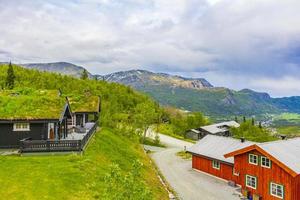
(48, 145)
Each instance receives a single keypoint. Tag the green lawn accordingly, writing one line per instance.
(74, 176)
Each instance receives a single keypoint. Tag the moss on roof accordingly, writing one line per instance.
(84, 103)
(28, 104)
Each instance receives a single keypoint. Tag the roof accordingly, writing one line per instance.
(30, 104)
(219, 127)
(84, 103)
(284, 152)
(215, 147)
(194, 130)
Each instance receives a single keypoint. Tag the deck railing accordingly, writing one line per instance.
(56, 145)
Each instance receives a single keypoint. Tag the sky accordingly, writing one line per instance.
(232, 43)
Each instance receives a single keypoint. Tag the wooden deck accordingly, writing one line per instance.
(27, 146)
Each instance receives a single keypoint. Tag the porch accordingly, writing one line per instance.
(76, 140)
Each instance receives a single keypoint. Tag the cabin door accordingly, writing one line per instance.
(51, 134)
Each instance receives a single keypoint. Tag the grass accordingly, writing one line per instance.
(166, 129)
(151, 142)
(74, 176)
(184, 155)
(289, 130)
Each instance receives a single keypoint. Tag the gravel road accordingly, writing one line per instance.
(188, 183)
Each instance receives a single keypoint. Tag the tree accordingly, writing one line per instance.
(84, 75)
(236, 119)
(244, 119)
(10, 79)
(252, 121)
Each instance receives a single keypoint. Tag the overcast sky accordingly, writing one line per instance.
(234, 43)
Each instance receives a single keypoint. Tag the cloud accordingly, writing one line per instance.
(219, 39)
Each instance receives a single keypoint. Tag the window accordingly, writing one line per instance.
(253, 159)
(251, 181)
(277, 190)
(21, 127)
(265, 162)
(216, 164)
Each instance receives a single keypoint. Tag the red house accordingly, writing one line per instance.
(208, 155)
(265, 171)
(270, 170)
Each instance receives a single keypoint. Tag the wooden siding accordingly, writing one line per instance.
(205, 164)
(265, 176)
(11, 139)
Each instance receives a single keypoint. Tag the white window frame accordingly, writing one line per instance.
(235, 173)
(251, 177)
(251, 162)
(21, 127)
(216, 164)
(276, 192)
(262, 161)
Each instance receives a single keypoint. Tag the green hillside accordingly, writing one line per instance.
(214, 102)
(113, 151)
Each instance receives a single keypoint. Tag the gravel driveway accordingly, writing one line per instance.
(188, 183)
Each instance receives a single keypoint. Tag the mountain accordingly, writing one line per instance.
(194, 94)
(142, 78)
(57, 67)
(199, 95)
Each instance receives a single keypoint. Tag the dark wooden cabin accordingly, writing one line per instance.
(42, 115)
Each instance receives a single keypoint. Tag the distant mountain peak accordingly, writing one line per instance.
(138, 78)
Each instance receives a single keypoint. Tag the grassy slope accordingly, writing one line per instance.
(216, 103)
(74, 176)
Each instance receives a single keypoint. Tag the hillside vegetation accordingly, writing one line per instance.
(109, 157)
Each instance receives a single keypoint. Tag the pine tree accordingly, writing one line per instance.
(236, 119)
(252, 121)
(10, 79)
(84, 75)
(244, 119)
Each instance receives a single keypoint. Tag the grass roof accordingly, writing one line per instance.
(84, 103)
(30, 104)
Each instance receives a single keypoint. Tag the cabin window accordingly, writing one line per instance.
(251, 181)
(253, 159)
(21, 127)
(265, 162)
(277, 190)
(216, 164)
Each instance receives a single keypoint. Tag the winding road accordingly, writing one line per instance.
(188, 183)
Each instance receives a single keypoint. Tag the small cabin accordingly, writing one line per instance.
(220, 129)
(39, 119)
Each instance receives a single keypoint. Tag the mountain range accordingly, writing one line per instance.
(193, 94)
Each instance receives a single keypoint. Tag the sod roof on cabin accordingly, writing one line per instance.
(84, 103)
(29, 104)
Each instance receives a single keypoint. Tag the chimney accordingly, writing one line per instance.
(242, 139)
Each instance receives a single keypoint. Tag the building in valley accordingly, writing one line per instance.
(221, 129)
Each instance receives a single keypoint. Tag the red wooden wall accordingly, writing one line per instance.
(264, 176)
(205, 164)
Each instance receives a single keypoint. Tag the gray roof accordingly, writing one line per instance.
(217, 146)
(286, 151)
(218, 128)
(194, 130)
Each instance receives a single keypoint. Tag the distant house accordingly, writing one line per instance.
(221, 129)
(39, 119)
(208, 155)
(265, 171)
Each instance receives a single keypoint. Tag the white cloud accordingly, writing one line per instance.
(225, 39)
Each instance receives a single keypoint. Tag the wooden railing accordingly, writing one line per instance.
(56, 146)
